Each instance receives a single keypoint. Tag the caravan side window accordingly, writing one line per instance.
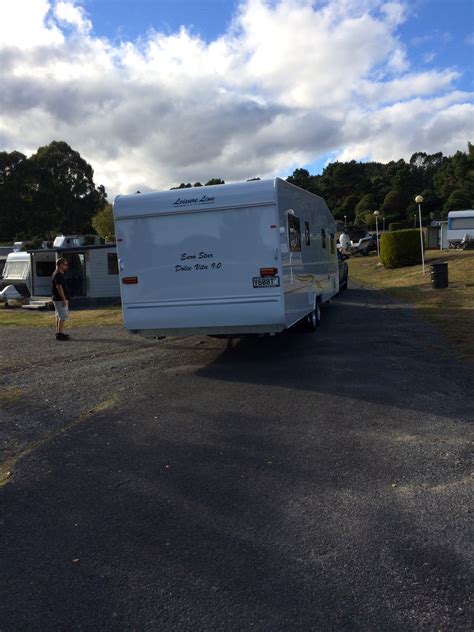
(333, 241)
(307, 233)
(323, 238)
(294, 233)
(45, 268)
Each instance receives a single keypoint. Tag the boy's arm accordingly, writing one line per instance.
(60, 289)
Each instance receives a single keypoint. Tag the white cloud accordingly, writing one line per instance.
(291, 82)
(68, 13)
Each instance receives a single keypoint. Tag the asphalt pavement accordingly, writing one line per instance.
(299, 482)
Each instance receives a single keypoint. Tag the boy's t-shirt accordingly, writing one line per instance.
(58, 279)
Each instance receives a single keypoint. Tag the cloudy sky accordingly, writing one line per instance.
(156, 92)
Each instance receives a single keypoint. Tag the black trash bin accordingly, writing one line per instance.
(439, 275)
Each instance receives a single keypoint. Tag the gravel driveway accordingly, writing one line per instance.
(301, 482)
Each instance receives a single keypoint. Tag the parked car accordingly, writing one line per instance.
(360, 247)
(343, 270)
(372, 247)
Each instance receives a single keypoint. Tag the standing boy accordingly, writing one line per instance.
(60, 296)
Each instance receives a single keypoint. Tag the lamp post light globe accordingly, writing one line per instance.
(419, 199)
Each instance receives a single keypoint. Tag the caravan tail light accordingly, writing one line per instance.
(129, 280)
(268, 272)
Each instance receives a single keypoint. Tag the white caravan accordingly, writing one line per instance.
(460, 223)
(92, 275)
(247, 258)
(27, 278)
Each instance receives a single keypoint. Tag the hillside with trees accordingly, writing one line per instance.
(354, 190)
(53, 191)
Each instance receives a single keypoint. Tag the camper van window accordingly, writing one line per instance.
(45, 268)
(16, 269)
(333, 249)
(112, 263)
(307, 233)
(294, 233)
(461, 223)
(323, 238)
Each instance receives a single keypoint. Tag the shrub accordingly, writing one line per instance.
(394, 226)
(400, 248)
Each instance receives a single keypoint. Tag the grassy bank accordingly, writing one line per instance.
(450, 309)
(79, 318)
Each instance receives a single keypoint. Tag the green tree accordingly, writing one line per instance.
(456, 175)
(342, 179)
(457, 201)
(182, 186)
(394, 206)
(302, 179)
(347, 208)
(66, 197)
(367, 203)
(16, 188)
(103, 223)
(431, 205)
(214, 181)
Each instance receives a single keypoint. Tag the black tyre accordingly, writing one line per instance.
(313, 319)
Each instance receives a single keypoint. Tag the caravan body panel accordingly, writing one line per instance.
(308, 250)
(195, 261)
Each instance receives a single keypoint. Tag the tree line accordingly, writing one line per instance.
(354, 190)
(53, 191)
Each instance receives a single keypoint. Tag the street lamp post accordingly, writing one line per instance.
(377, 213)
(345, 221)
(419, 200)
(383, 219)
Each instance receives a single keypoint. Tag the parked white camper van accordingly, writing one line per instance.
(460, 223)
(92, 275)
(252, 257)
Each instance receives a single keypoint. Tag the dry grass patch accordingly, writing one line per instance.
(78, 318)
(450, 309)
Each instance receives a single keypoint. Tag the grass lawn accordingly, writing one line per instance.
(78, 318)
(450, 309)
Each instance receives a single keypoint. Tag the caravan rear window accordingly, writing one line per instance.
(294, 233)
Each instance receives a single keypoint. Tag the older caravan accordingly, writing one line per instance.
(253, 257)
(92, 276)
(460, 223)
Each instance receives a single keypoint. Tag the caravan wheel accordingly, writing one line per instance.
(313, 319)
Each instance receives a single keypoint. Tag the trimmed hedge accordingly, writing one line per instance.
(400, 248)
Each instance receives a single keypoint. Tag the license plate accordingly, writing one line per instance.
(266, 281)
